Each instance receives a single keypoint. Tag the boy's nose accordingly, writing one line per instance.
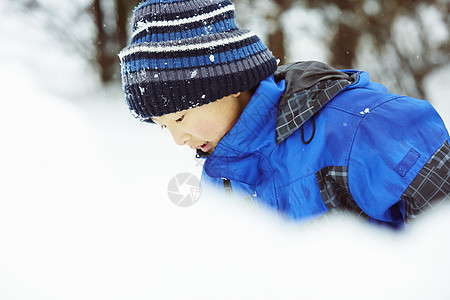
(180, 138)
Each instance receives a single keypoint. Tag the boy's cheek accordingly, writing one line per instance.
(205, 132)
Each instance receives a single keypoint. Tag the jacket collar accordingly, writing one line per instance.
(250, 137)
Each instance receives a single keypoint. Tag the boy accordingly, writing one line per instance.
(304, 138)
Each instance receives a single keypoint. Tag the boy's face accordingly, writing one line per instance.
(204, 126)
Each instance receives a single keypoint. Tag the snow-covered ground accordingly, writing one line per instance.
(84, 210)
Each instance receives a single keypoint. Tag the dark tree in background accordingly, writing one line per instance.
(110, 42)
(375, 20)
(392, 39)
(276, 39)
(400, 59)
(103, 56)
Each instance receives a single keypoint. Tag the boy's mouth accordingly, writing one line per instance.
(206, 147)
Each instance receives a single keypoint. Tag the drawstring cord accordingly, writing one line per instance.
(312, 134)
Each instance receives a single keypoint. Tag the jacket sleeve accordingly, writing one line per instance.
(393, 143)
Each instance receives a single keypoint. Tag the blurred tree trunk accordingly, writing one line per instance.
(108, 45)
(276, 43)
(122, 17)
(276, 39)
(102, 58)
(123, 12)
(343, 46)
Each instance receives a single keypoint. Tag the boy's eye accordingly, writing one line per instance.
(179, 119)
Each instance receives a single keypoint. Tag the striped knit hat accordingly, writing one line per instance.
(185, 54)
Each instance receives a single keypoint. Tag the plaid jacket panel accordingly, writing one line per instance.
(335, 192)
(431, 187)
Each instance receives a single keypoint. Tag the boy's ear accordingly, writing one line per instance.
(236, 95)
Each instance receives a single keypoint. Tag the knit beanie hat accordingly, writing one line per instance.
(185, 54)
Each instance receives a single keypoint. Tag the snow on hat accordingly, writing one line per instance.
(185, 54)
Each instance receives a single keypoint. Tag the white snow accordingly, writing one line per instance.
(84, 210)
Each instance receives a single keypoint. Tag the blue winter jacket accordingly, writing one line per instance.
(313, 139)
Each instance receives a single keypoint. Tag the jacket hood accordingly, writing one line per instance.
(309, 86)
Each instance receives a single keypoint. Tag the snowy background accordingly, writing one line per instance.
(84, 211)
